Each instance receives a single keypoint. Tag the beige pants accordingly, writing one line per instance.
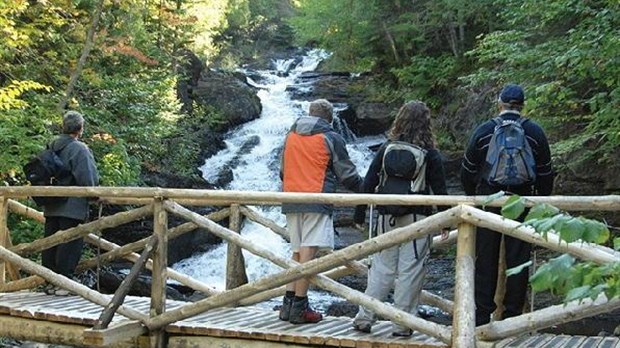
(402, 267)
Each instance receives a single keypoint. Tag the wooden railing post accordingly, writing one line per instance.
(160, 265)
(464, 320)
(235, 262)
(4, 234)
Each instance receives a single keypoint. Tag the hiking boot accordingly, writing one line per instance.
(49, 289)
(285, 310)
(301, 313)
(62, 292)
(362, 327)
(402, 333)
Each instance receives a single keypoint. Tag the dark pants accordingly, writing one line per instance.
(63, 258)
(487, 257)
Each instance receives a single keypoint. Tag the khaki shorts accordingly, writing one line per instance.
(310, 230)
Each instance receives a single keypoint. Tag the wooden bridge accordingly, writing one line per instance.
(228, 318)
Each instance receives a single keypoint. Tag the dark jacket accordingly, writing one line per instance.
(435, 181)
(475, 157)
(78, 158)
(315, 159)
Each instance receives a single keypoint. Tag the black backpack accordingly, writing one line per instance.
(47, 169)
(403, 171)
(510, 160)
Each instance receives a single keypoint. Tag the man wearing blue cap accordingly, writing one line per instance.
(485, 171)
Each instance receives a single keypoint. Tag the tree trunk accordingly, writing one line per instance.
(453, 40)
(88, 45)
(4, 231)
(390, 39)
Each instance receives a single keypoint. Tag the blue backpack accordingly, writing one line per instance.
(510, 160)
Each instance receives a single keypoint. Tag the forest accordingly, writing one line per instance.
(117, 61)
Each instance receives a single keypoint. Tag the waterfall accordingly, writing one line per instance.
(252, 153)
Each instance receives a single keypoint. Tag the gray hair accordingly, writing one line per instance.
(323, 109)
(72, 122)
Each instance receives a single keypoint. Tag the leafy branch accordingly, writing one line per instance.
(564, 275)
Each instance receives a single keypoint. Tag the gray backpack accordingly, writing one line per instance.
(403, 171)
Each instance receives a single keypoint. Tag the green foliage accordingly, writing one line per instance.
(346, 36)
(577, 281)
(565, 53)
(25, 132)
(183, 153)
(513, 208)
(24, 230)
(209, 116)
(545, 218)
(126, 90)
(115, 166)
(9, 95)
(426, 77)
(252, 27)
(382, 35)
(133, 109)
(563, 275)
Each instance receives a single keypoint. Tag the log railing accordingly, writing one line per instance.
(322, 272)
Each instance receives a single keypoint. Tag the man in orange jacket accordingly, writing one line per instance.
(315, 159)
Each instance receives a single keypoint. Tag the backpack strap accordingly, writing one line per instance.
(522, 120)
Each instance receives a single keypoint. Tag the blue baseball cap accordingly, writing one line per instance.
(512, 94)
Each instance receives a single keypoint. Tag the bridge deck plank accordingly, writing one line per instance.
(263, 325)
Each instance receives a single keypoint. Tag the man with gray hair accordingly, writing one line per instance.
(314, 159)
(73, 211)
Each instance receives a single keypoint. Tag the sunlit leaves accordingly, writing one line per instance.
(10, 95)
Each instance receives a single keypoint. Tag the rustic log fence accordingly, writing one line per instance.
(322, 272)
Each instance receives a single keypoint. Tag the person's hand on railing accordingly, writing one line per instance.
(100, 201)
(362, 227)
(445, 233)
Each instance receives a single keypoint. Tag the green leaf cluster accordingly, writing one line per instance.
(563, 275)
(577, 281)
